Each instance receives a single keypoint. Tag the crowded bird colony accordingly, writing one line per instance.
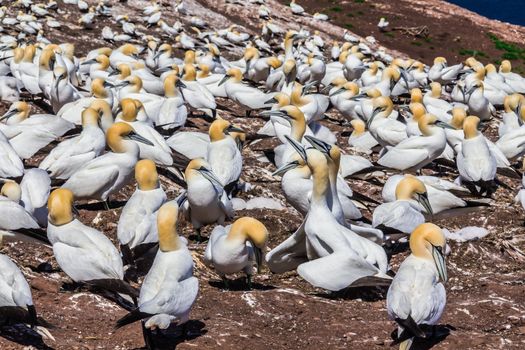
(111, 118)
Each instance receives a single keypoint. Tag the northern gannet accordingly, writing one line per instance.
(100, 177)
(169, 289)
(417, 294)
(238, 247)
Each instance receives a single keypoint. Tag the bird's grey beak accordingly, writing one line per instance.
(319, 145)
(271, 101)
(136, 137)
(471, 90)
(444, 125)
(375, 112)
(75, 210)
(224, 79)
(284, 168)
(258, 257)
(298, 147)
(327, 88)
(275, 113)
(182, 198)
(108, 84)
(404, 77)
(440, 262)
(122, 84)
(91, 61)
(157, 55)
(113, 73)
(211, 177)
(358, 96)
(339, 91)
(180, 84)
(423, 200)
(9, 114)
(308, 86)
(163, 70)
(232, 128)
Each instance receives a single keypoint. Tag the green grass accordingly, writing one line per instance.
(416, 43)
(390, 34)
(349, 14)
(511, 51)
(359, 1)
(336, 9)
(349, 25)
(360, 13)
(473, 53)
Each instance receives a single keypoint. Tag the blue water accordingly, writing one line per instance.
(512, 11)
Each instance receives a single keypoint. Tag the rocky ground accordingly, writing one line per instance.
(486, 292)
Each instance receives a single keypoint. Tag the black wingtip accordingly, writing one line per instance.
(411, 326)
(133, 316)
(115, 285)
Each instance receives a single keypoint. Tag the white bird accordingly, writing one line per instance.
(159, 151)
(404, 214)
(247, 97)
(10, 163)
(442, 73)
(223, 154)
(207, 202)
(137, 218)
(237, 248)
(476, 164)
(71, 154)
(83, 253)
(16, 301)
(386, 130)
(296, 9)
(15, 216)
(28, 134)
(321, 17)
(415, 152)
(417, 294)
(382, 24)
(106, 174)
(169, 289)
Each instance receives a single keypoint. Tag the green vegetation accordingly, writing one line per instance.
(416, 43)
(511, 51)
(473, 53)
(349, 14)
(349, 26)
(336, 9)
(360, 13)
(359, 1)
(389, 34)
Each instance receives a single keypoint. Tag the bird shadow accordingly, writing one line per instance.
(168, 339)
(24, 336)
(368, 294)
(435, 335)
(239, 284)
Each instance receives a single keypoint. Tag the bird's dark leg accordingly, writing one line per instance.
(248, 113)
(199, 237)
(249, 281)
(226, 282)
(148, 338)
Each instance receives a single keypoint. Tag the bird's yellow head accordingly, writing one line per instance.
(11, 190)
(470, 127)
(458, 117)
(274, 62)
(129, 49)
(416, 95)
(436, 89)
(167, 227)
(146, 175)
(129, 109)
(505, 66)
(98, 89)
(428, 242)
(418, 110)
(359, 127)
(90, 117)
(60, 206)
(220, 128)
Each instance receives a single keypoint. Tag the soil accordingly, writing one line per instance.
(485, 294)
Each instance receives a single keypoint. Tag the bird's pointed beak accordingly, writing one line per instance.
(440, 262)
(224, 79)
(211, 177)
(319, 145)
(339, 91)
(271, 101)
(284, 168)
(8, 114)
(180, 84)
(232, 128)
(375, 112)
(91, 61)
(444, 125)
(136, 137)
(298, 147)
(258, 257)
(423, 200)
